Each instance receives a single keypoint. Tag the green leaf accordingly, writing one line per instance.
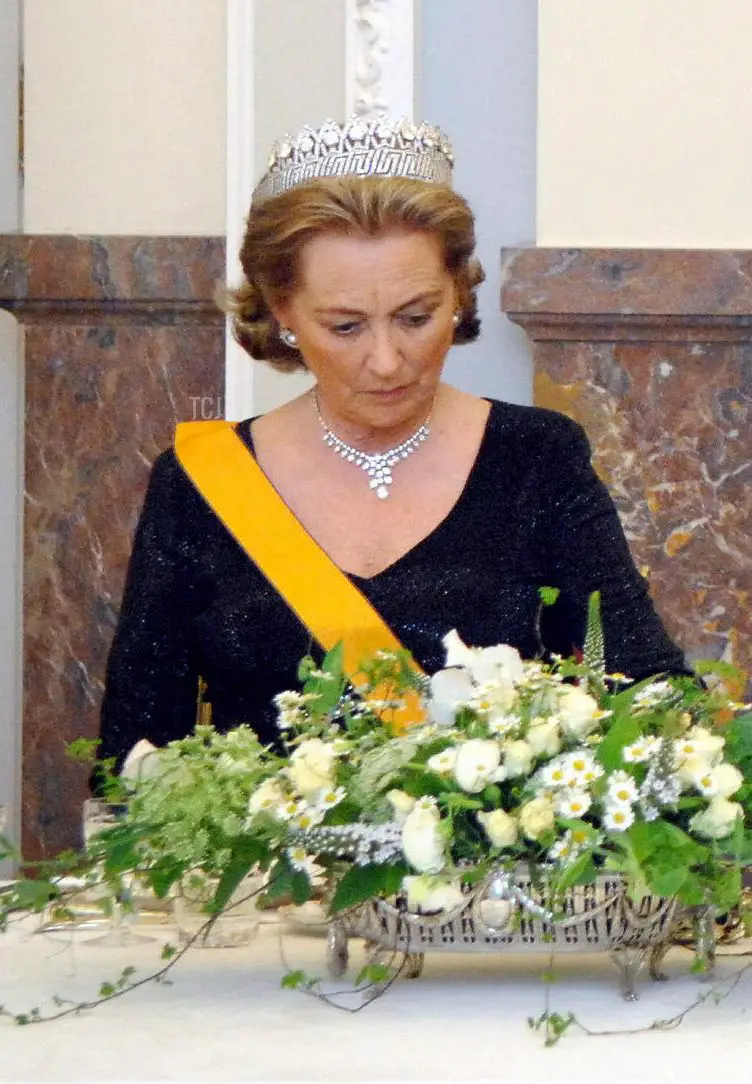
(164, 874)
(609, 751)
(83, 750)
(361, 883)
(306, 665)
(294, 980)
(454, 800)
(581, 871)
(280, 880)
(119, 846)
(31, 895)
(300, 887)
(246, 852)
(373, 974)
(668, 882)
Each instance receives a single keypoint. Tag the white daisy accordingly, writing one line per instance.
(293, 807)
(582, 768)
(563, 849)
(618, 818)
(639, 751)
(573, 803)
(555, 773)
(327, 799)
(308, 818)
(622, 789)
(502, 724)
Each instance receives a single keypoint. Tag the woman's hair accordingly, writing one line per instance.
(278, 230)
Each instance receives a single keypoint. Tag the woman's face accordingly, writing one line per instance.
(373, 318)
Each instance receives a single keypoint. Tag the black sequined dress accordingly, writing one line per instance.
(532, 513)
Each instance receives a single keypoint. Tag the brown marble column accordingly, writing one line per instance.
(651, 351)
(122, 339)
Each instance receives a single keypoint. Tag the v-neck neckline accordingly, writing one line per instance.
(244, 431)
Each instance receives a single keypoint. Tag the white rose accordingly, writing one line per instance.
(431, 894)
(518, 758)
(312, 767)
(691, 769)
(578, 711)
(477, 761)
(718, 820)
(537, 817)
(500, 828)
(497, 664)
(543, 737)
(268, 797)
(449, 691)
(422, 841)
(718, 782)
(726, 779)
(402, 804)
(698, 741)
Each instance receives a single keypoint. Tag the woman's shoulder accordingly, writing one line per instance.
(525, 425)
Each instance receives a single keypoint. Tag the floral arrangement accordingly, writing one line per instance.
(556, 764)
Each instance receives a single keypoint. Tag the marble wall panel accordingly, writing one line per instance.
(652, 353)
(108, 373)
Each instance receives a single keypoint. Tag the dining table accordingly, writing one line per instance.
(225, 1014)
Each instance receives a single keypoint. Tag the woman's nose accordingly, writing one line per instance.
(385, 357)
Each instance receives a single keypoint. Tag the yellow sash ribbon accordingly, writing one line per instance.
(330, 606)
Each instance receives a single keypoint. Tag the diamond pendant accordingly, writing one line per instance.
(382, 491)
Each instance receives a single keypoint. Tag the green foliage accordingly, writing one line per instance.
(285, 880)
(553, 1024)
(297, 980)
(623, 731)
(361, 883)
(373, 974)
(83, 750)
(246, 853)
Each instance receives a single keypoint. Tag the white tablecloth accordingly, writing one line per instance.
(226, 1018)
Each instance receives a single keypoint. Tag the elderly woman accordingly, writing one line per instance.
(382, 490)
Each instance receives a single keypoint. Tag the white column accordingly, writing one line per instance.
(380, 66)
(239, 369)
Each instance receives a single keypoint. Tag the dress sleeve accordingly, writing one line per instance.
(587, 551)
(152, 676)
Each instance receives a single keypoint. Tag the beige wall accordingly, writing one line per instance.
(125, 116)
(299, 57)
(11, 454)
(644, 123)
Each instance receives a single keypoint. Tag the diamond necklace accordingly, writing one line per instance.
(377, 466)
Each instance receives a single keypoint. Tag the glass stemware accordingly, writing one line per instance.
(98, 816)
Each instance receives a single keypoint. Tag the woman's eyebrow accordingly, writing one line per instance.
(343, 310)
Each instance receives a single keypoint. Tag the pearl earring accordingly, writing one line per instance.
(288, 337)
(457, 319)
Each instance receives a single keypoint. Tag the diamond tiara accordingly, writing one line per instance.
(373, 147)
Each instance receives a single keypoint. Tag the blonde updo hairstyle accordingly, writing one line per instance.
(278, 230)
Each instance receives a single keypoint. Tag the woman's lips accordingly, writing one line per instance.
(387, 394)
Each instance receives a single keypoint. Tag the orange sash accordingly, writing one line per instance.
(330, 606)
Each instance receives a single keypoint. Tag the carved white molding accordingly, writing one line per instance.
(380, 63)
(239, 369)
